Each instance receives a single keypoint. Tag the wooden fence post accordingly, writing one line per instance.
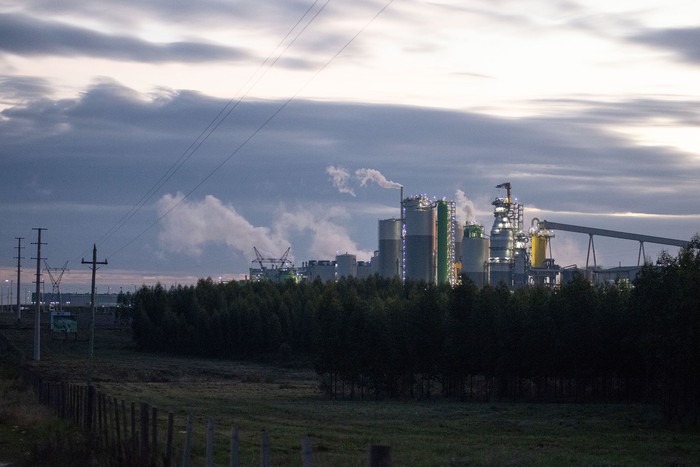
(117, 422)
(210, 443)
(188, 442)
(144, 453)
(134, 439)
(379, 456)
(154, 435)
(167, 461)
(235, 462)
(125, 425)
(265, 449)
(307, 458)
(89, 409)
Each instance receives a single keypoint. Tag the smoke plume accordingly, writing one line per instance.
(465, 208)
(193, 224)
(326, 228)
(339, 177)
(371, 175)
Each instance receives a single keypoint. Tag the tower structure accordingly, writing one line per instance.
(501, 257)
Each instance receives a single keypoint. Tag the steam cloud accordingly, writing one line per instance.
(340, 177)
(465, 208)
(194, 224)
(371, 175)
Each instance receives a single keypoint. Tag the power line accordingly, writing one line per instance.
(258, 129)
(214, 124)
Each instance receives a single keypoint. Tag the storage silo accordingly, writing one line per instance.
(390, 263)
(346, 265)
(419, 253)
(475, 254)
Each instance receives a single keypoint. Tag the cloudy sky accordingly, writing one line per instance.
(178, 135)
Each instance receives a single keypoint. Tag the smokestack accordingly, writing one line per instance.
(401, 204)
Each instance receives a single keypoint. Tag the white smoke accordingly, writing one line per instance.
(327, 229)
(193, 224)
(340, 177)
(465, 208)
(371, 175)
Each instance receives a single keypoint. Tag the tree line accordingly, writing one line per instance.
(378, 337)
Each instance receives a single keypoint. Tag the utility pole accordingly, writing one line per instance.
(37, 312)
(94, 263)
(19, 269)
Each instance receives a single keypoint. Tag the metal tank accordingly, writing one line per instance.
(346, 265)
(540, 238)
(475, 254)
(389, 259)
(419, 250)
(502, 242)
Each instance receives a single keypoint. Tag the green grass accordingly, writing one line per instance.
(288, 404)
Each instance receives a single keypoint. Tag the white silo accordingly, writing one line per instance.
(346, 266)
(475, 254)
(390, 262)
(419, 250)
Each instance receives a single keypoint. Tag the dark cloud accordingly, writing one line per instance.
(110, 145)
(23, 88)
(683, 41)
(24, 35)
(203, 12)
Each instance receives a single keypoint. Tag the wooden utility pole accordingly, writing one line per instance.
(19, 269)
(37, 313)
(94, 263)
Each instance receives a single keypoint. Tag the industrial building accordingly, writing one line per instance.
(427, 243)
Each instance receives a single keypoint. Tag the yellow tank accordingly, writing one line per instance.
(539, 250)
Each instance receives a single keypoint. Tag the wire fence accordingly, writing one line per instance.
(140, 435)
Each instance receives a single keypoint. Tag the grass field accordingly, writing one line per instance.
(287, 403)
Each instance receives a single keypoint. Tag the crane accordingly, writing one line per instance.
(280, 262)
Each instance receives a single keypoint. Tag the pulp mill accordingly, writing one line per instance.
(427, 243)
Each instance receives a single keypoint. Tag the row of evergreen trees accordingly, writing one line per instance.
(383, 338)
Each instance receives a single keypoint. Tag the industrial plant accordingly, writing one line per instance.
(427, 243)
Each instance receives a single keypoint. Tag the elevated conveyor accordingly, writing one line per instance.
(591, 231)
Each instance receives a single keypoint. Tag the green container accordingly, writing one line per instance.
(443, 233)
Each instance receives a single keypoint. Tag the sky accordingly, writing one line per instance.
(176, 136)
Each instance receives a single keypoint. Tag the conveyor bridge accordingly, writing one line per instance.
(591, 232)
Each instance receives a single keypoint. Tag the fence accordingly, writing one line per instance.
(139, 435)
